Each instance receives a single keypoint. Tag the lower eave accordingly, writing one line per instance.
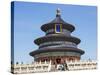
(43, 50)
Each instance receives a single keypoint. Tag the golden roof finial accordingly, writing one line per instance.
(58, 12)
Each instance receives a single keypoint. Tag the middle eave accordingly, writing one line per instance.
(57, 37)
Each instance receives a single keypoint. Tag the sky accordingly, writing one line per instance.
(30, 16)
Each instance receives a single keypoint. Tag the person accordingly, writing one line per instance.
(65, 66)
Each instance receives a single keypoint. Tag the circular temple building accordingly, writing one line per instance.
(57, 45)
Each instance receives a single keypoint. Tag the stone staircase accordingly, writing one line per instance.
(53, 68)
